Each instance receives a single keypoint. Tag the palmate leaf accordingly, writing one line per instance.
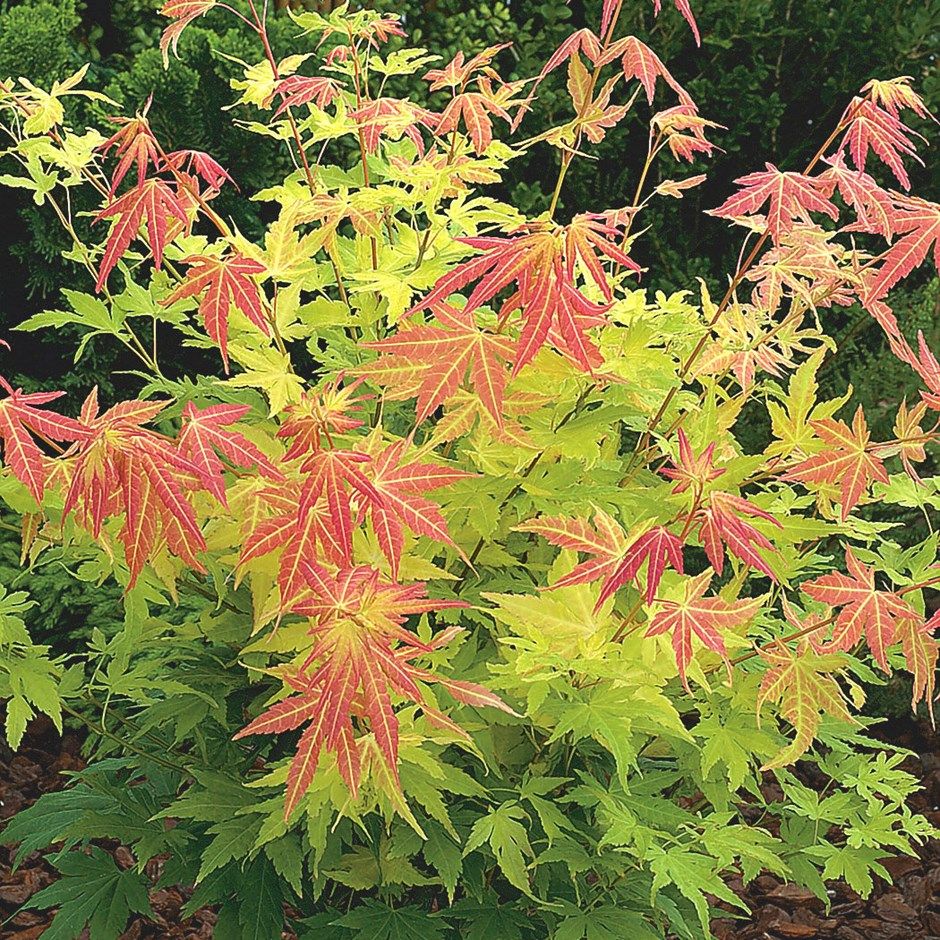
(505, 830)
(847, 460)
(228, 281)
(872, 128)
(92, 890)
(639, 62)
(791, 198)
(920, 652)
(361, 655)
(152, 203)
(540, 262)
(21, 418)
(373, 920)
(918, 223)
(614, 558)
(803, 685)
(400, 485)
(182, 12)
(437, 359)
(702, 617)
(206, 431)
(865, 609)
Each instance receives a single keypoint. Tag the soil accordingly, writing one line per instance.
(907, 910)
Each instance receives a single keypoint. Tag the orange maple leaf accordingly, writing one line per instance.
(846, 461)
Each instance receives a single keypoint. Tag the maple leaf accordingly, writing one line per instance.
(118, 466)
(896, 95)
(332, 476)
(394, 118)
(685, 9)
(657, 547)
(684, 129)
(722, 525)
(925, 364)
(153, 202)
(540, 261)
(605, 542)
(918, 221)
(871, 128)
(399, 486)
(209, 170)
(228, 280)
(473, 109)
(791, 198)
(439, 358)
(320, 414)
(865, 609)
(874, 208)
(20, 419)
(691, 470)
(297, 90)
(134, 144)
(357, 626)
(205, 431)
(182, 12)
(846, 461)
(639, 62)
(920, 653)
(459, 70)
(701, 617)
(801, 681)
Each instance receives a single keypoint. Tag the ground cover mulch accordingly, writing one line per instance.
(907, 910)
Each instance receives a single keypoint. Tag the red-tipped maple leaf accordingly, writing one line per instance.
(400, 486)
(605, 543)
(155, 203)
(119, 467)
(394, 118)
(355, 666)
(684, 129)
(228, 281)
(639, 62)
(791, 198)
(865, 609)
(20, 419)
(846, 461)
(459, 70)
(182, 12)
(925, 364)
(722, 525)
(134, 144)
(871, 128)
(297, 90)
(207, 168)
(874, 208)
(918, 222)
(540, 262)
(435, 360)
(699, 616)
(658, 547)
(801, 681)
(920, 650)
(690, 470)
(319, 415)
(474, 110)
(332, 477)
(206, 431)
(720, 518)
(686, 10)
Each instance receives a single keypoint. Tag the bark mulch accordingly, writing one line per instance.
(907, 910)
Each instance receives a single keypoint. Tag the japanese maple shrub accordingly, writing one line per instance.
(451, 606)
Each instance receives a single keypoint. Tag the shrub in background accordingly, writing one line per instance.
(451, 604)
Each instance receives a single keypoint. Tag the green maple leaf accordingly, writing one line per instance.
(506, 833)
(375, 921)
(92, 891)
(444, 856)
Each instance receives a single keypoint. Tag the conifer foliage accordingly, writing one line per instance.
(450, 591)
